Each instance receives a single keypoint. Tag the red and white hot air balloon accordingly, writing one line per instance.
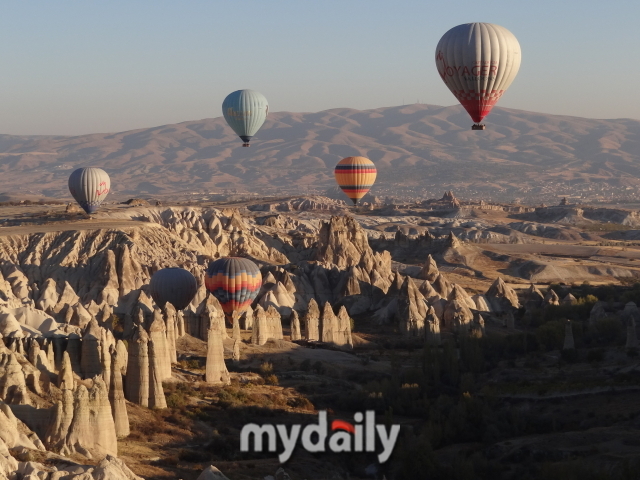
(478, 62)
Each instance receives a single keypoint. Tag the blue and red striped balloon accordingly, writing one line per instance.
(234, 281)
(355, 176)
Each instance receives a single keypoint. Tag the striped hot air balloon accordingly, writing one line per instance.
(355, 176)
(89, 186)
(234, 281)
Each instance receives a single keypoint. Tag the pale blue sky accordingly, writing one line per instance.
(73, 67)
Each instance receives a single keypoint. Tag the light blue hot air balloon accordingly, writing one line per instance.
(245, 111)
(89, 186)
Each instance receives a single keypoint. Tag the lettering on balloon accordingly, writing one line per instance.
(481, 70)
(102, 189)
(231, 112)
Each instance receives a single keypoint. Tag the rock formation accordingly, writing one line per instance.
(598, 312)
(170, 317)
(432, 328)
(533, 298)
(116, 396)
(216, 369)
(13, 383)
(568, 337)
(156, 365)
(456, 314)
(259, 334)
(442, 286)
(342, 335)
(158, 336)
(429, 270)
(274, 324)
(569, 300)
(312, 322)
(411, 309)
(91, 361)
(501, 296)
(458, 293)
(551, 298)
(83, 422)
(295, 327)
(328, 324)
(137, 379)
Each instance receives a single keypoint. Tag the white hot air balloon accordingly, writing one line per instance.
(245, 111)
(89, 186)
(478, 62)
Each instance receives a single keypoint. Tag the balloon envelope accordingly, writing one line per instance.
(89, 186)
(234, 281)
(245, 111)
(355, 176)
(174, 285)
(478, 62)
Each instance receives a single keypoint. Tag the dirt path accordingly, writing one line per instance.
(107, 224)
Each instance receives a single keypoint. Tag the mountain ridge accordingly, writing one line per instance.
(413, 146)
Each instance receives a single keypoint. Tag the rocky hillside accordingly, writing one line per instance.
(296, 152)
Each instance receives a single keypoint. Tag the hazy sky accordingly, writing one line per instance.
(73, 67)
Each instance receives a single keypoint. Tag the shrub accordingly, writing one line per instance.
(305, 365)
(596, 355)
(266, 368)
(570, 355)
(271, 379)
(192, 456)
(609, 330)
(551, 335)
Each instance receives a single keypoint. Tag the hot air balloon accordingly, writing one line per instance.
(478, 62)
(355, 176)
(234, 281)
(245, 111)
(89, 186)
(174, 285)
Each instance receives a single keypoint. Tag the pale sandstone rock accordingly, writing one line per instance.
(411, 309)
(13, 384)
(569, 300)
(328, 324)
(116, 396)
(460, 294)
(274, 324)
(533, 298)
(260, 332)
(342, 337)
(457, 314)
(216, 369)
(170, 315)
(90, 360)
(156, 392)
(551, 298)
(501, 296)
(429, 270)
(442, 286)
(295, 326)
(65, 377)
(312, 322)
(137, 379)
(158, 335)
(211, 473)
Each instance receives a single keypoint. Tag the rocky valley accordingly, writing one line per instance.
(493, 334)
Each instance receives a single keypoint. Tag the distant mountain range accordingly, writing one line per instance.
(415, 147)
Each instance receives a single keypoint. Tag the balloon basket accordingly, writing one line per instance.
(478, 126)
(245, 144)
